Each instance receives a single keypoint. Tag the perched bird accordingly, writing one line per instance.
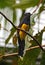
(24, 25)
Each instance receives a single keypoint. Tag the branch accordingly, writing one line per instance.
(22, 30)
(14, 54)
(37, 6)
(5, 29)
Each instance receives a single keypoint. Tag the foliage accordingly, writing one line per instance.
(30, 56)
(43, 59)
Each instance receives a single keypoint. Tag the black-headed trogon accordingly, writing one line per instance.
(24, 25)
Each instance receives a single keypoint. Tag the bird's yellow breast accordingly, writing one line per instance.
(21, 33)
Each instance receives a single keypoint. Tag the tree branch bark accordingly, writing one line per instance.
(14, 54)
(37, 6)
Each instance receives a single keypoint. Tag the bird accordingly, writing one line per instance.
(24, 25)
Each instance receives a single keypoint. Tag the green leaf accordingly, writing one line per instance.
(23, 3)
(41, 9)
(32, 19)
(11, 34)
(6, 3)
(38, 37)
(43, 55)
(43, 59)
(26, 3)
(14, 15)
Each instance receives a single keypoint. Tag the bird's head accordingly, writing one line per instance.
(28, 14)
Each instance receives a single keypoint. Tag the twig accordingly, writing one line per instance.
(13, 54)
(22, 30)
(5, 29)
(34, 47)
(37, 6)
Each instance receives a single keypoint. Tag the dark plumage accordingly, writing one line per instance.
(24, 24)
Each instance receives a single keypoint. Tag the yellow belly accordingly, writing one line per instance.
(21, 33)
